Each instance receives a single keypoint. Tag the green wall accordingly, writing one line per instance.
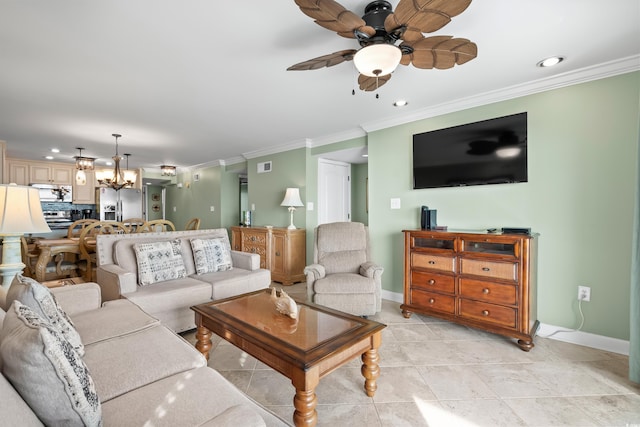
(266, 190)
(359, 176)
(582, 146)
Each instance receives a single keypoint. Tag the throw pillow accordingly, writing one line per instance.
(159, 261)
(40, 299)
(211, 255)
(46, 371)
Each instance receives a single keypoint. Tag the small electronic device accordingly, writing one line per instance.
(516, 230)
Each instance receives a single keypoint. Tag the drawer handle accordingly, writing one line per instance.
(277, 253)
(253, 250)
(431, 262)
(431, 282)
(485, 291)
(485, 312)
(253, 238)
(432, 300)
(486, 269)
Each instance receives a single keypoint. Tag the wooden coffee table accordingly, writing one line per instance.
(303, 350)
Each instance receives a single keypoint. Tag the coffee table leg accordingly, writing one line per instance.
(305, 400)
(203, 345)
(370, 369)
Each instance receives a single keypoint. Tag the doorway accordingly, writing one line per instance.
(334, 191)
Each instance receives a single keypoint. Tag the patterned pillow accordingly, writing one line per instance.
(46, 371)
(40, 299)
(211, 255)
(159, 261)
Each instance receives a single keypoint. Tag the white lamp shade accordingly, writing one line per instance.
(20, 210)
(292, 198)
(377, 60)
(81, 177)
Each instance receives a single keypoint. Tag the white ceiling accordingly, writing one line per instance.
(193, 82)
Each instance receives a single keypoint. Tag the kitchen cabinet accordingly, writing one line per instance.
(50, 173)
(18, 171)
(85, 194)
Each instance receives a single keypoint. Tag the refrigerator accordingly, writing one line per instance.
(119, 205)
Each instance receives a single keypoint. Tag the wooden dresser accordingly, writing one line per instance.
(282, 251)
(483, 280)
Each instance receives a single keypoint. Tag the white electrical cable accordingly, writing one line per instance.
(570, 330)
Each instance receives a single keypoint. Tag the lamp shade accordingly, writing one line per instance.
(20, 210)
(377, 60)
(292, 198)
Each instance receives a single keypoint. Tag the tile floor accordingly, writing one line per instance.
(436, 373)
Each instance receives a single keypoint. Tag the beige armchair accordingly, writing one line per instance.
(343, 277)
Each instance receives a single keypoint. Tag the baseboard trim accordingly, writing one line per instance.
(587, 339)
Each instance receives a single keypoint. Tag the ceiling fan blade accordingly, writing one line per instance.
(440, 52)
(425, 16)
(369, 84)
(333, 16)
(329, 60)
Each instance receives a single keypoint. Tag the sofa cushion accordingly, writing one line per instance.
(234, 282)
(121, 364)
(40, 299)
(159, 262)
(46, 370)
(19, 413)
(188, 396)
(211, 255)
(171, 294)
(114, 318)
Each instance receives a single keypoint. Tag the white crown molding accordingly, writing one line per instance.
(587, 339)
(583, 75)
(305, 143)
(338, 137)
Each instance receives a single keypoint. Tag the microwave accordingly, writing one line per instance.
(54, 193)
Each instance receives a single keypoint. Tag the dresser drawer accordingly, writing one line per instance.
(433, 262)
(493, 269)
(252, 238)
(257, 249)
(488, 313)
(488, 291)
(433, 301)
(433, 282)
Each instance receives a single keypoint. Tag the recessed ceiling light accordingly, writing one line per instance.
(365, 155)
(400, 103)
(108, 163)
(55, 150)
(550, 62)
(48, 157)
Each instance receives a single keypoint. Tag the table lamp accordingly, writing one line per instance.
(292, 199)
(20, 213)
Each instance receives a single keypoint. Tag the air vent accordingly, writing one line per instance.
(264, 167)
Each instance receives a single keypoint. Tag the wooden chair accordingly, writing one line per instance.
(158, 225)
(30, 255)
(134, 225)
(87, 244)
(76, 228)
(193, 224)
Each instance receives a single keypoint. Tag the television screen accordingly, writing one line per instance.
(488, 152)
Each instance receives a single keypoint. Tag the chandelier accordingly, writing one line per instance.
(83, 164)
(118, 179)
(167, 170)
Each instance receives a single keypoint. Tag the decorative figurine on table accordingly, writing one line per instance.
(284, 303)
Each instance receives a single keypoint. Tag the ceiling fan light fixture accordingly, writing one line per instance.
(400, 103)
(377, 60)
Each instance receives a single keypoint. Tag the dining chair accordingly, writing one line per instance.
(87, 244)
(134, 225)
(157, 225)
(76, 227)
(193, 224)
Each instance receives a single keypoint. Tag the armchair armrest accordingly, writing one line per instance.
(75, 299)
(371, 270)
(314, 272)
(245, 260)
(115, 281)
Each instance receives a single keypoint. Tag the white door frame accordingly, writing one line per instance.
(339, 195)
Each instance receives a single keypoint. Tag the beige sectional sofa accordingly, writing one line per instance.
(170, 299)
(142, 372)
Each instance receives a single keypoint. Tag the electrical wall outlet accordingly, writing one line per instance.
(584, 293)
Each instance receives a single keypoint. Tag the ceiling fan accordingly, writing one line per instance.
(378, 31)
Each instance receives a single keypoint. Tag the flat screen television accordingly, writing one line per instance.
(492, 151)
